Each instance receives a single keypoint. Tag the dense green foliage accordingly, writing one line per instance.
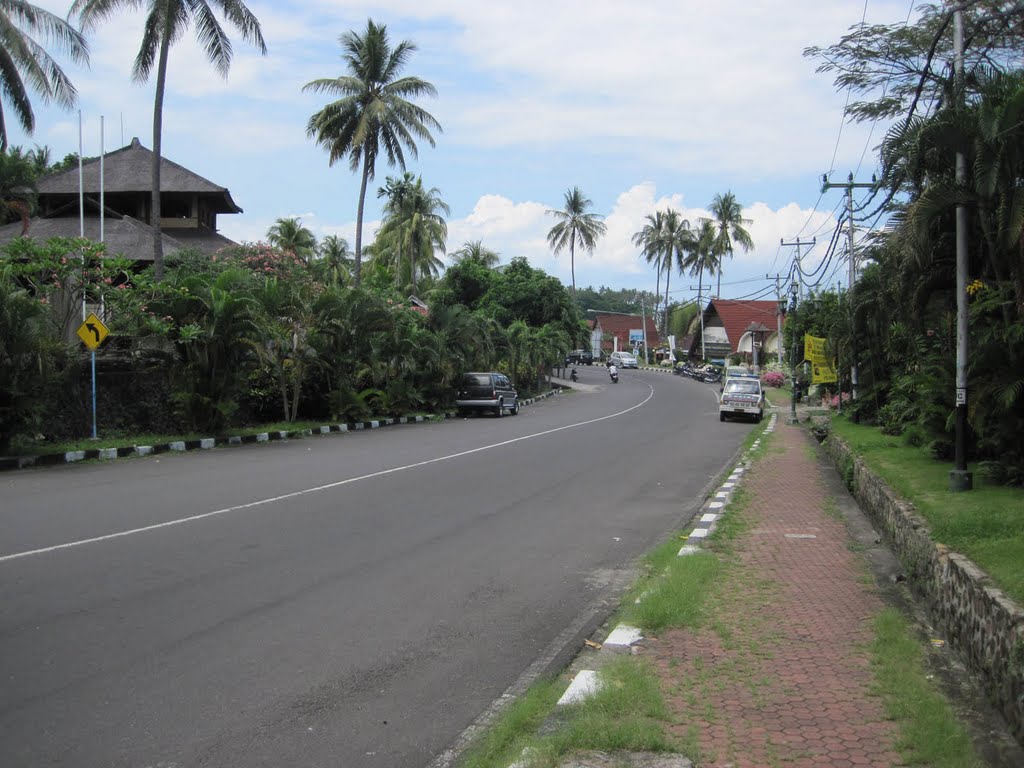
(899, 321)
(259, 333)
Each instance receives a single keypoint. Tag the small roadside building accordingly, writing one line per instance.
(733, 327)
(617, 331)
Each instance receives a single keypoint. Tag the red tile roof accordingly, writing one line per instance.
(738, 315)
(619, 327)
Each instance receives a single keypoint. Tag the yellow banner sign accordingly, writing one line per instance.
(823, 373)
(814, 349)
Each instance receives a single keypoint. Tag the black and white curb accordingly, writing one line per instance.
(208, 443)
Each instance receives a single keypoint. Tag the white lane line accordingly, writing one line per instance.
(316, 489)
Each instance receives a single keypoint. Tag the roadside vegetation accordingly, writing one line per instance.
(985, 524)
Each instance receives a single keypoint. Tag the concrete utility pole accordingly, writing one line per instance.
(959, 478)
(778, 314)
(799, 265)
(849, 186)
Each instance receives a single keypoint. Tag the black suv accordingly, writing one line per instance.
(580, 357)
(490, 391)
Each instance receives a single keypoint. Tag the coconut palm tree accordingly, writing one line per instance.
(678, 242)
(727, 215)
(166, 22)
(574, 226)
(373, 113)
(475, 250)
(335, 262)
(416, 224)
(25, 64)
(648, 240)
(288, 234)
(702, 258)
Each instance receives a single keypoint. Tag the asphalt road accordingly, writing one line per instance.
(351, 600)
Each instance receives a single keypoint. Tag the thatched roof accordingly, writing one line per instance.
(123, 236)
(129, 169)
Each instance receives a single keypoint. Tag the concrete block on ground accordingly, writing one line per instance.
(586, 683)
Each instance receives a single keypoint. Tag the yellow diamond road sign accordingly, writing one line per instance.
(92, 331)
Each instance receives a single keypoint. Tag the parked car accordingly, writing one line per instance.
(488, 391)
(622, 360)
(580, 357)
(742, 396)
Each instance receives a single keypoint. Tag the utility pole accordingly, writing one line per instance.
(849, 186)
(778, 314)
(799, 266)
(959, 478)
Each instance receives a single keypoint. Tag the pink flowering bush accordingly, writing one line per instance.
(834, 403)
(774, 378)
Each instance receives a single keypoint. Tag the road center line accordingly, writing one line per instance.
(317, 489)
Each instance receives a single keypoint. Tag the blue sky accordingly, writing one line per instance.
(643, 105)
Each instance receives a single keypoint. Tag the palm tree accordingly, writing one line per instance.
(475, 250)
(288, 234)
(678, 243)
(417, 226)
(166, 22)
(727, 215)
(335, 260)
(373, 112)
(701, 259)
(21, 56)
(648, 240)
(574, 226)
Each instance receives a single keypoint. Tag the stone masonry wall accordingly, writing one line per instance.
(984, 625)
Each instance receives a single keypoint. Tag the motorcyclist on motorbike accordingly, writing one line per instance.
(613, 372)
(574, 376)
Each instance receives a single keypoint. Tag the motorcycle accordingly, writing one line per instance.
(613, 374)
(574, 376)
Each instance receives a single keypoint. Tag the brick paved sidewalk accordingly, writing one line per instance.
(789, 684)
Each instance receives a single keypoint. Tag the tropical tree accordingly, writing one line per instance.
(649, 240)
(678, 242)
(25, 64)
(701, 257)
(575, 226)
(727, 214)
(419, 227)
(18, 177)
(166, 22)
(26, 349)
(288, 234)
(476, 251)
(373, 112)
(335, 263)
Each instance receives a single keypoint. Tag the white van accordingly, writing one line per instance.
(622, 360)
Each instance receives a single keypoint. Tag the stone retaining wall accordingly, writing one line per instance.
(982, 623)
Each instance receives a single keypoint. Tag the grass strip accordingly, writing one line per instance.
(929, 733)
(985, 524)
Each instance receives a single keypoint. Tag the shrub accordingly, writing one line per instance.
(774, 378)
(915, 435)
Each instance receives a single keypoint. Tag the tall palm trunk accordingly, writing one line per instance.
(358, 277)
(572, 265)
(158, 123)
(668, 276)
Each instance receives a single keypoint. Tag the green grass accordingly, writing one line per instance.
(627, 713)
(985, 524)
(929, 733)
(779, 396)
